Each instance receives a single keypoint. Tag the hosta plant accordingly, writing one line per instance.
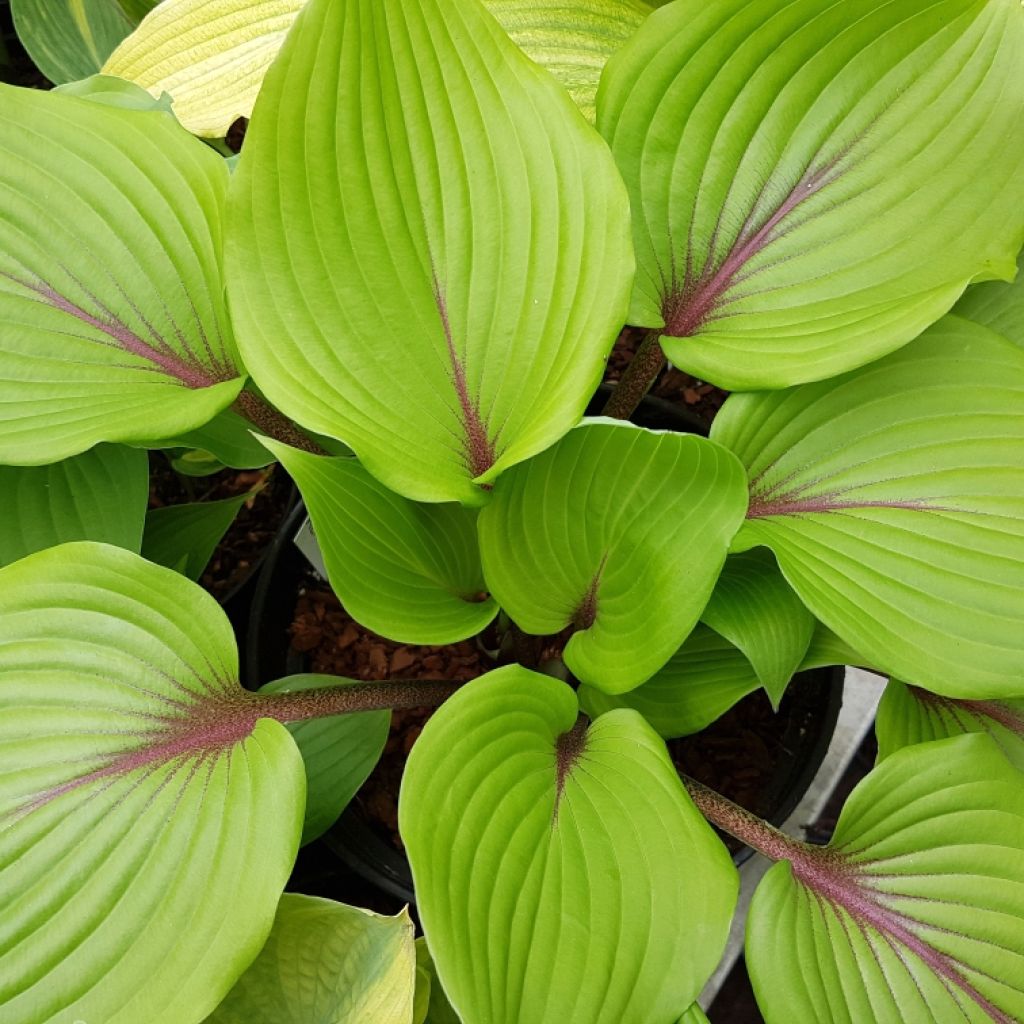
(407, 287)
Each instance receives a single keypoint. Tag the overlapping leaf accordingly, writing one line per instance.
(430, 257)
(148, 819)
(210, 55)
(327, 963)
(813, 182)
(99, 495)
(998, 305)
(915, 912)
(547, 860)
(184, 537)
(111, 290)
(893, 498)
(227, 437)
(618, 531)
(909, 715)
(407, 571)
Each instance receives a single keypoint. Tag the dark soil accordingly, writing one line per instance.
(16, 68)
(255, 526)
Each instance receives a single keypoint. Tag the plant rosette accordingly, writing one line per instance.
(405, 290)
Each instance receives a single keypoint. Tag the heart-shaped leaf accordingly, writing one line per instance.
(908, 715)
(562, 873)
(893, 498)
(339, 753)
(407, 571)
(997, 305)
(327, 963)
(814, 183)
(438, 279)
(99, 495)
(754, 608)
(698, 684)
(111, 289)
(210, 55)
(148, 817)
(187, 535)
(618, 531)
(915, 911)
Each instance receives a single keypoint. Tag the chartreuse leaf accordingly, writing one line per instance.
(227, 437)
(99, 495)
(618, 531)
(111, 291)
(908, 715)
(339, 753)
(572, 41)
(799, 175)
(70, 39)
(210, 55)
(148, 817)
(827, 649)
(915, 912)
(755, 608)
(327, 963)
(187, 535)
(115, 92)
(698, 684)
(893, 498)
(997, 305)
(562, 872)
(438, 1010)
(409, 572)
(437, 280)
(694, 1015)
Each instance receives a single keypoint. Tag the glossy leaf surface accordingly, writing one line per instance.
(410, 572)
(915, 912)
(909, 715)
(99, 495)
(813, 182)
(547, 860)
(184, 537)
(327, 963)
(148, 818)
(339, 753)
(376, 300)
(210, 55)
(618, 531)
(893, 498)
(111, 290)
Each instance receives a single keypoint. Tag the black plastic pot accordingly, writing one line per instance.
(812, 704)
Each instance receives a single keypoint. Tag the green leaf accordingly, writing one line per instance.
(754, 608)
(438, 280)
(827, 649)
(409, 572)
(915, 911)
(439, 1010)
(694, 1015)
(698, 684)
(227, 437)
(148, 818)
(814, 182)
(138, 9)
(111, 290)
(115, 92)
(893, 498)
(572, 41)
(69, 39)
(99, 495)
(327, 963)
(339, 753)
(618, 531)
(210, 55)
(547, 860)
(997, 305)
(907, 715)
(188, 534)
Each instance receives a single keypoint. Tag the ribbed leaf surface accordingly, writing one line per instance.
(111, 290)
(327, 963)
(998, 305)
(698, 684)
(815, 182)
(893, 498)
(916, 910)
(99, 495)
(619, 531)
(407, 571)
(339, 753)
(210, 55)
(148, 820)
(548, 860)
(909, 715)
(430, 257)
